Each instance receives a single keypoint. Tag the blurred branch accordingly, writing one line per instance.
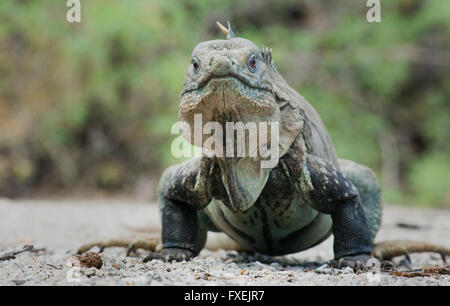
(12, 255)
(410, 53)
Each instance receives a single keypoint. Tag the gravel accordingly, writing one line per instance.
(60, 227)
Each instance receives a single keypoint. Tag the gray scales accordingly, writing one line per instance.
(294, 206)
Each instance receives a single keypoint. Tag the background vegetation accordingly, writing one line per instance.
(88, 107)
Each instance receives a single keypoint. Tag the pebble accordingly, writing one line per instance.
(324, 269)
(228, 275)
(347, 270)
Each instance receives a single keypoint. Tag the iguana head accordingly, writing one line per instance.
(229, 80)
(233, 80)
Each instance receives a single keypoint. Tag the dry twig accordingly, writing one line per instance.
(12, 255)
(426, 271)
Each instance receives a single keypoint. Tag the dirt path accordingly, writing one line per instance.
(61, 226)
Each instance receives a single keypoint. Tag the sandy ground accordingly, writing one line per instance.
(62, 226)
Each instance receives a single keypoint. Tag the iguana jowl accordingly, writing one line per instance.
(294, 206)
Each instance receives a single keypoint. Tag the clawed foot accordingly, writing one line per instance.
(360, 263)
(171, 254)
(357, 262)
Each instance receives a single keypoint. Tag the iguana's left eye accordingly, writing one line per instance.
(252, 63)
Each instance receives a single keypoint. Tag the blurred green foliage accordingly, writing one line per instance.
(87, 106)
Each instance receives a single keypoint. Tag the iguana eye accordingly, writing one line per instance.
(252, 63)
(195, 64)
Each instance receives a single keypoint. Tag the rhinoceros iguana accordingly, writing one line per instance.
(305, 197)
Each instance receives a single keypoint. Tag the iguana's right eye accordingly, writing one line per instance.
(252, 63)
(195, 64)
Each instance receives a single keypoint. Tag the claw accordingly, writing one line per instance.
(443, 256)
(387, 265)
(357, 263)
(171, 254)
(359, 266)
(407, 258)
(131, 248)
(152, 256)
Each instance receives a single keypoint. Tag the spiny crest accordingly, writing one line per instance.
(267, 55)
(228, 32)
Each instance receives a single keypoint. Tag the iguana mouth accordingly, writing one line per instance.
(246, 81)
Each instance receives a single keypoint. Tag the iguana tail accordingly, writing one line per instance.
(150, 240)
(386, 250)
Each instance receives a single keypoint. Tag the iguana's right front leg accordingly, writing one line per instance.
(181, 237)
(183, 191)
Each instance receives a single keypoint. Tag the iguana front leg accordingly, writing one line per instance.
(334, 194)
(180, 235)
(183, 191)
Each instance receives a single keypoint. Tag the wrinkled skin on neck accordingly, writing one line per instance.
(224, 86)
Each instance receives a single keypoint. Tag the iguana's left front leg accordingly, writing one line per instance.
(334, 194)
(352, 240)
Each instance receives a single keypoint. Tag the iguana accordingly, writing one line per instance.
(309, 194)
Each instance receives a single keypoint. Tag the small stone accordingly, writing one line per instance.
(90, 272)
(18, 282)
(259, 265)
(347, 270)
(324, 269)
(275, 265)
(228, 275)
